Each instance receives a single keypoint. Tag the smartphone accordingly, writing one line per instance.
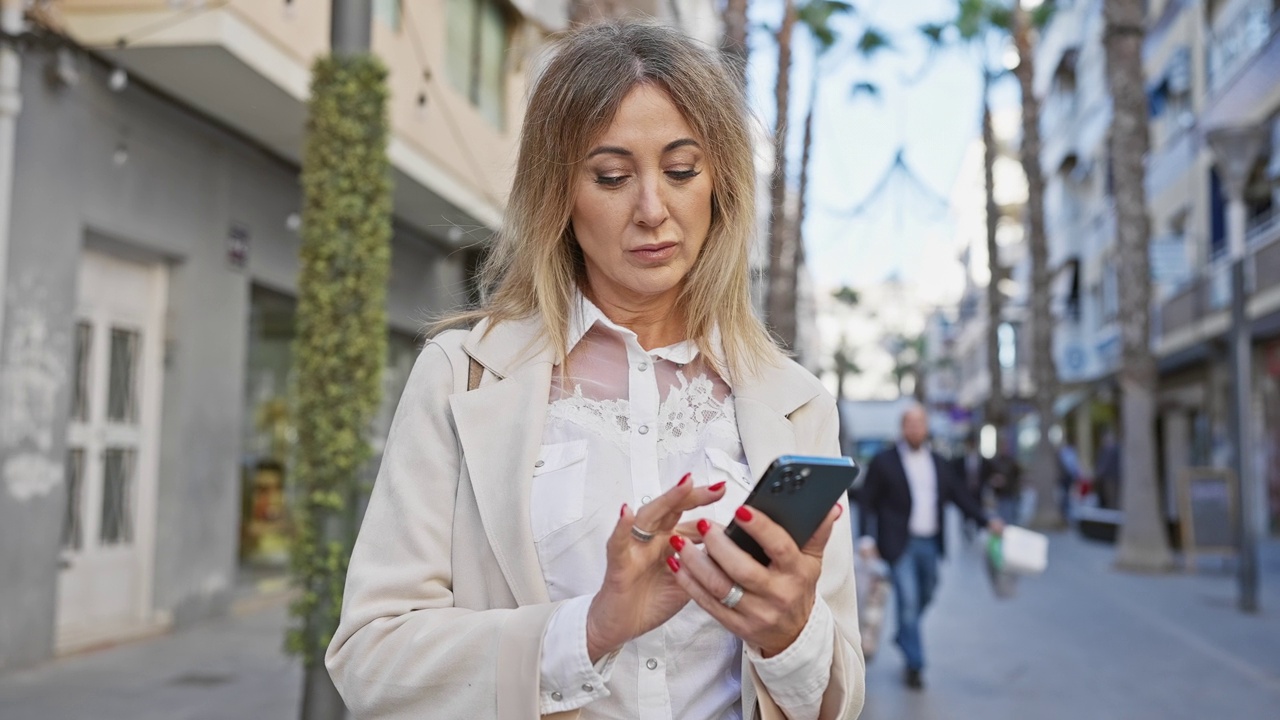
(797, 492)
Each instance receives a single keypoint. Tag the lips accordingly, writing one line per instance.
(655, 252)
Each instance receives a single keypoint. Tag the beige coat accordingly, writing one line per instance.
(445, 602)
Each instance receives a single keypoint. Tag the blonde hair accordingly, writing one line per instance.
(535, 266)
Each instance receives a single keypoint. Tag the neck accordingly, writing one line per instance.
(655, 320)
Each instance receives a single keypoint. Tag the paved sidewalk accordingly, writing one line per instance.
(229, 669)
(1083, 641)
(1079, 642)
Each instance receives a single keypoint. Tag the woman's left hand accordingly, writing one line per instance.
(776, 600)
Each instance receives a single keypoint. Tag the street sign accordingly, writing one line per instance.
(1207, 510)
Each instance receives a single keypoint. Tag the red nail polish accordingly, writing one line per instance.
(684, 479)
(673, 563)
(839, 511)
(677, 542)
(743, 514)
(704, 527)
(717, 487)
(624, 511)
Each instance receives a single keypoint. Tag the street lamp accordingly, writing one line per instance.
(1235, 150)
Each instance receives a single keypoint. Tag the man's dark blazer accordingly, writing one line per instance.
(885, 502)
(959, 465)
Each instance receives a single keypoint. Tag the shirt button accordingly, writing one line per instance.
(644, 429)
(557, 696)
(587, 687)
(652, 664)
(645, 500)
(643, 366)
(539, 464)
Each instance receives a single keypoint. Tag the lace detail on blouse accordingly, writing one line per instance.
(689, 409)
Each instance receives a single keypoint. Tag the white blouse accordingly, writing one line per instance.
(624, 425)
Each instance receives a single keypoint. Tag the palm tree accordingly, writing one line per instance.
(1044, 463)
(1143, 544)
(780, 294)
(976, 21)
(816, 16)
(734, 43)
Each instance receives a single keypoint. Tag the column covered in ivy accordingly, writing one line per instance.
(341, 336)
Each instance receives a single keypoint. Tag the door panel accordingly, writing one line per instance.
(108, 546)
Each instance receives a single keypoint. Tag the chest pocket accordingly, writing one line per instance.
(559, 483)
(738, 483)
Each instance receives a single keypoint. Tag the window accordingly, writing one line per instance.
(388, 13)
(476, 53)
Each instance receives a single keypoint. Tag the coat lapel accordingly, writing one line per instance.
(762, 404)
(500, 429)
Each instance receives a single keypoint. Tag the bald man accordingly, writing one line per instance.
(902, 501)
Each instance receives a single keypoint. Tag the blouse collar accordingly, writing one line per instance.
(585, 314)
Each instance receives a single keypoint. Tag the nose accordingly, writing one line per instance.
(651, 204)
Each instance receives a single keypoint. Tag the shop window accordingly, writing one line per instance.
(476, 53)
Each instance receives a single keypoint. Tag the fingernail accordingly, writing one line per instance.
(704, 527)
(673, 563)
(677, 542)
(743, 514)
(717, 487)
(839, 511)
(624, 510)
(684, 479)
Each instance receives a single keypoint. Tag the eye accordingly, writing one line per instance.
(682, 175)
(611, 180)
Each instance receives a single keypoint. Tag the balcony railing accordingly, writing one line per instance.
(1209, 292)
(1233, 42)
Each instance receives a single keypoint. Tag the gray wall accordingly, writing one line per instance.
(185, 183)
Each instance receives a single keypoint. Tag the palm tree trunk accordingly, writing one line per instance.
(734, 44)
(996, 408)
(780, 307)
(1044, 463)
(797, 227)
(1143, 544)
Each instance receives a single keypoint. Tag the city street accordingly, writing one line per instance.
(1081, 641)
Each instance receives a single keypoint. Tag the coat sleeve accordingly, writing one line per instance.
(402, 649)
(869, 497)
(846, 689)
(959, 494)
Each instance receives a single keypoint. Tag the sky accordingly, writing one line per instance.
(905, 231)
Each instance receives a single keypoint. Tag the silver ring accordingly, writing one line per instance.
(643, 536)
(734, 596)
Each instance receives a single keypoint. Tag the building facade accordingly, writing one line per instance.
(149, 277)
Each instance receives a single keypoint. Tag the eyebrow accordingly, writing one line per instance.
(615, 150)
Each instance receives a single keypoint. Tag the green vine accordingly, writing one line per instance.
(341, 344)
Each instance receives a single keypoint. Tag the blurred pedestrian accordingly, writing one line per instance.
(1068, 474)
(902, 501)
(1107, 471)
(545, 534)
(1006, 482)
(975, 470)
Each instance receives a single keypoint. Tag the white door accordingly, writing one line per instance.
(108, 539)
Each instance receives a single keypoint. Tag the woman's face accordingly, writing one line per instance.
(642, 205)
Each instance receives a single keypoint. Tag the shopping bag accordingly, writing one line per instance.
(1003, 583)
(873, 597)
(1024, 552)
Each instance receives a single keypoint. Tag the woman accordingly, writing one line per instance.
(545, 536)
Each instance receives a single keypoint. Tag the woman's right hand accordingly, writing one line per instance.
(639, 593)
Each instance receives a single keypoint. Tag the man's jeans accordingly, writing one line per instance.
(1008, 508)
(915, 576)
